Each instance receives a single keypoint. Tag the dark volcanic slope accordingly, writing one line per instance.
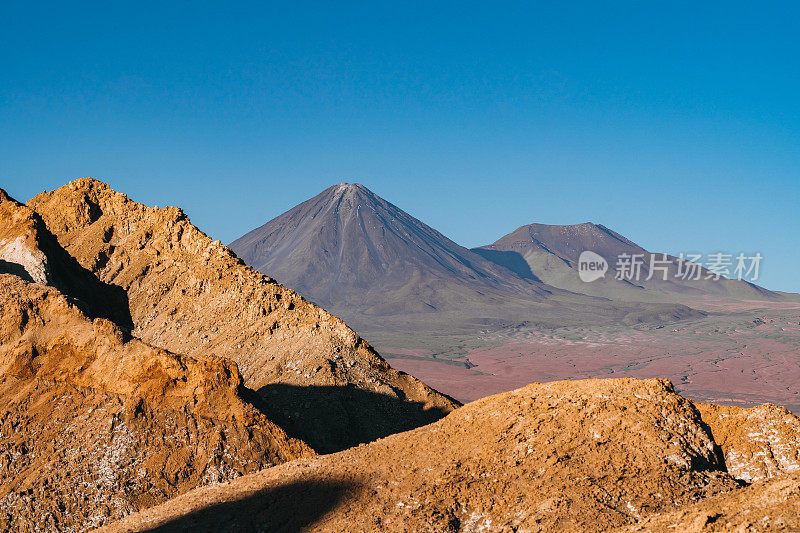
(550, 253)
(406, 285)
(347, 247)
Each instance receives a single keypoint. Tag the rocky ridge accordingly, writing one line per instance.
(759, 443)
(565, 456)
(97, 423)
(94, 423)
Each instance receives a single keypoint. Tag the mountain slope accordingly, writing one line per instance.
(347, 247)
(551, 252)
(191, 295)
(406, 285)
(93, 426)
(566, 456)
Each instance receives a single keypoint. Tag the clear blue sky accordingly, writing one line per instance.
(676, 124)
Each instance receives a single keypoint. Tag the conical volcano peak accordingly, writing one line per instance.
(551, 253)
(584, 228)
(566, 240)
(347, 248)
(349, 191)
(351, 187)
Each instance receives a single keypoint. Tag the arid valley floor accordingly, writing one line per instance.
(743, 353)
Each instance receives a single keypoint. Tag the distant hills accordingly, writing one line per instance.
(550, 253)
(389, 274)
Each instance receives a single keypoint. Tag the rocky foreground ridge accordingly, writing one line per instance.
(94, 423)
(587, 455)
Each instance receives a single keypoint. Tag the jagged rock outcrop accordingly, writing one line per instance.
(759, 443)
(95, 424)
(191, 295)
(770, 506)
(30, 251)
(569, 456)
(19, 252)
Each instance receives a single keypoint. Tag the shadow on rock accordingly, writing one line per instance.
(290, 507)
(93, 296)
(16, 269)
(331, 419)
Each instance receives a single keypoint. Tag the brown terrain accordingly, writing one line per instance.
(95, 424)
(771, 506)
(570, 456)
(102, 413)
(758, 443)
(148, 375)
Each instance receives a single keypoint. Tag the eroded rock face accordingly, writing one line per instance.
(773, 505)
(28, 262)
(759, 443)
(20, 249)
(189, 294)
(569, 456)
(30, 251)
(94, 425)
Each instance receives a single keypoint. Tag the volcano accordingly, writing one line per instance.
(395, 278)
(348, 248)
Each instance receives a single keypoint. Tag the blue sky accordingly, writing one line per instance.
(675, 124)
